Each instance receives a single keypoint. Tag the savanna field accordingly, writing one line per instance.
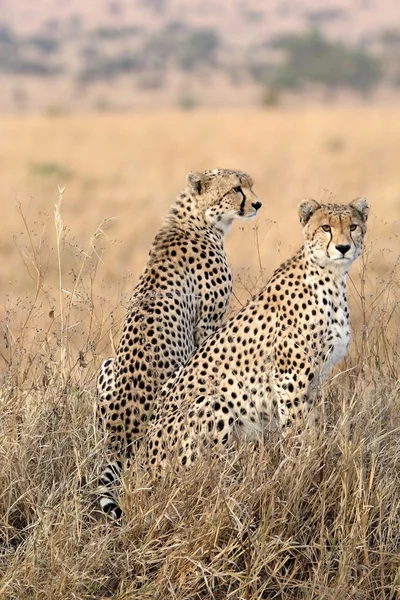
(82, 198)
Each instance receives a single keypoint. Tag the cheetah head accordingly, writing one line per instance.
(223, 195)
(334, 233)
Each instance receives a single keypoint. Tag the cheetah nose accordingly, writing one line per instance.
(343, 248)
(257, 205)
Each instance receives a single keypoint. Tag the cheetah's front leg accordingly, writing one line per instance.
(203, 330)
(297, 402)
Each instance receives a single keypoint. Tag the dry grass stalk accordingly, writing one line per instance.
(251, 525)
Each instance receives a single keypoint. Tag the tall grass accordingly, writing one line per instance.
(241, 527)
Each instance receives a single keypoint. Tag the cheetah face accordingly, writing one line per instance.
(223, 195)
(334, 233)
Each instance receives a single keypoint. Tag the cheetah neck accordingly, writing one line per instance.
(185, 211)
(222, 227)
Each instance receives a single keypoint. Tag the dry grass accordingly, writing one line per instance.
(250, 527)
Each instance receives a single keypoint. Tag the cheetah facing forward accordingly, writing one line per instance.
(270, 359)
(180, 298)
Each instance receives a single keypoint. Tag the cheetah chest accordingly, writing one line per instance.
(337, 336)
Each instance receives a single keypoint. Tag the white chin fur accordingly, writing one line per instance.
(343, 259)
(225, 224)
(247, 217)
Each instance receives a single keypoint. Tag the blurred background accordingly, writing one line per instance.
(108, 55)
(114, 101)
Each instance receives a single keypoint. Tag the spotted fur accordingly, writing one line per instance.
(268, 361)
(180, 299)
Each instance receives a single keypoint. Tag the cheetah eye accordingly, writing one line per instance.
(353, 227)
(326, 228)
(238, 190)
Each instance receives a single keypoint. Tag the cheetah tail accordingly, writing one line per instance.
(107, 480)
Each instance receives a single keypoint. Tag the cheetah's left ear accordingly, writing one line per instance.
(306, 209)
(196, 182)
(362, 206)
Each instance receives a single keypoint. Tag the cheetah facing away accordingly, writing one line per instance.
(180, 299)
(270, 359)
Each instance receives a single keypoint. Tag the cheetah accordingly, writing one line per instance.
(180, 298)
(267, 363)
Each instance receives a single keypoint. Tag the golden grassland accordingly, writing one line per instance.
(253, 526)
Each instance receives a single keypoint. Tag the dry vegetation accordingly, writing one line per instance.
(255, 526)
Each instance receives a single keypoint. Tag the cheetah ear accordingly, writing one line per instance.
(196, 182)
(362, 206)
(306, 209)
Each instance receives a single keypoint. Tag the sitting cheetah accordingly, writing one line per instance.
(180, 299)
(270, 359)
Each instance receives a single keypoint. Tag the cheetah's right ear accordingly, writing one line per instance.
(306, 209)
(196, 182)
(362, 206)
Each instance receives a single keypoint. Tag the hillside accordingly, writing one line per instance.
(238, 22)
(119, 55)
